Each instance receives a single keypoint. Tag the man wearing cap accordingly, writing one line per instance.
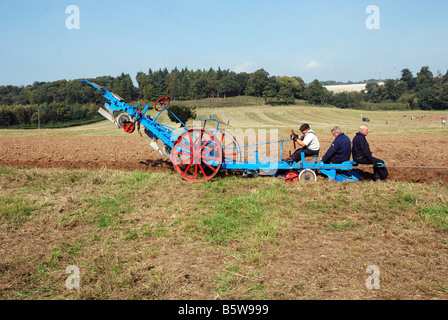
(362, 154)
(340, 150)
(309, 143)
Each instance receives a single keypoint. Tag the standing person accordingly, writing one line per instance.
(309, 143)
(362, 154)
(340, 150)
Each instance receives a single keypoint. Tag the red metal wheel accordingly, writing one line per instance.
(129, 127)
(292, 177)
(162, 103)
(197, 155)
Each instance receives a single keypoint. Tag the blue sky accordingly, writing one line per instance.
(320, 39)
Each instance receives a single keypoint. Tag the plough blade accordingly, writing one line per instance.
(106, 115)
(348, 177)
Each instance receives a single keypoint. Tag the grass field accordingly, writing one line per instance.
(151, 235)
(283, 118)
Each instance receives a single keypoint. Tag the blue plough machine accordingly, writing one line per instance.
(198, 154)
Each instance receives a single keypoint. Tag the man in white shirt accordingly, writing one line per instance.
(309, 143)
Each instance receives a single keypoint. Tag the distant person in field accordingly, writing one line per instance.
(340, 150)
(308, 142)
(362, 154)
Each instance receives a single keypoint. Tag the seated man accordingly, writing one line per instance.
(362, 154)
(340, 150)
(308, 142)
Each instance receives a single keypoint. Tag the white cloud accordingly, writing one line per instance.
(244, 67)
(313, 65)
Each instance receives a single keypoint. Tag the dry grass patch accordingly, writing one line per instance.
(150, 235)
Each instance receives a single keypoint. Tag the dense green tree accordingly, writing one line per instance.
(340, 100)
(198, 85)
(393, 90)
(354, 100)
(408, 78)
(271, 89)
(257, 83)
(72, 100)
(123, 86)
(374, 93)
(181, 113)
(229, 86)
(298, 94)
(242, 79)
(315, 92)
(211, 88)
(425, 100)
(445, 77)
(436, 97)
(173, 84)
(289, 89)
(424, 79)
(7, 117)
(184, 84)
(444, 98)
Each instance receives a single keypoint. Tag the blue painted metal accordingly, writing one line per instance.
(157, 130)
(168, 135)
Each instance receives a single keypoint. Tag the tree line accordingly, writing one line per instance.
(58, 101)
(423, 91)
(61, 101)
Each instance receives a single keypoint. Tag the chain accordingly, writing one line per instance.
(409, 167)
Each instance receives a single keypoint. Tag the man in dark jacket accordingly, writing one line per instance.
(340, 150)
(362, 154)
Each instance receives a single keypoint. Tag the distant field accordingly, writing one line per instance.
(283, 118)
(346, 87)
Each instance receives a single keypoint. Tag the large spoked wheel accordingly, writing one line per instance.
(162, 103)
(197, 155)
(307, 175)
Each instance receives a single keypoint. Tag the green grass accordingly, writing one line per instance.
(343, 225)
(403, 106)
(151, 235)
(436, 215)
(240, 217)
(16, 210)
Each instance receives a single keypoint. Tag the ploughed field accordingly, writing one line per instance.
(410, 158)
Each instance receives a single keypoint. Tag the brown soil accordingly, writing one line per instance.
(134, 153)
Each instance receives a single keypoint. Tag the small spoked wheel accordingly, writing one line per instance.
(307, 175)
(292, 177)
(197, 155)
(125, 121)
(162, 103)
